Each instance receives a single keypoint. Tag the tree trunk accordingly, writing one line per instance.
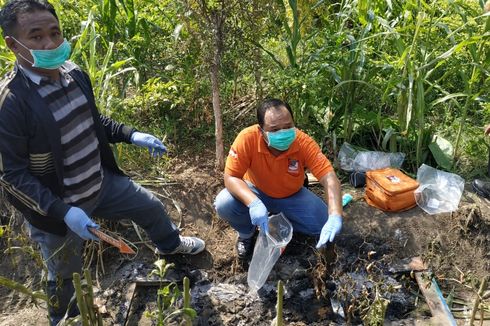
(258, 77)
(215, 67)
(218, 123)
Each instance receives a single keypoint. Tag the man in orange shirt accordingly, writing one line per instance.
(264, 174)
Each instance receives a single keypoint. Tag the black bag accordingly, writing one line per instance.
(357, 179)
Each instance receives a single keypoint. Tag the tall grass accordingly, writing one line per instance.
(98, 64)
(7, 58)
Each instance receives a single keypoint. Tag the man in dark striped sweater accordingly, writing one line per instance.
(55, 157)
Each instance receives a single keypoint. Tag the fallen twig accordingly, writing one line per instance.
(138, 233)
(187, 299)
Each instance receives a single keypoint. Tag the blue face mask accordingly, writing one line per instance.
(49, 59)
(281, 139)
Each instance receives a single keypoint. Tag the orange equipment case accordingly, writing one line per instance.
(390, 190)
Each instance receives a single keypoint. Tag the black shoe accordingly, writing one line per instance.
(245, 247)
(482, 188)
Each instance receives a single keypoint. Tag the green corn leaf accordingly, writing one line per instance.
(447, 98)
(442, 150)
(389, 133)
(455, 49)
(118, 64)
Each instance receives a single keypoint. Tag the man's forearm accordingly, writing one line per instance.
(333, 195)
(238, 188)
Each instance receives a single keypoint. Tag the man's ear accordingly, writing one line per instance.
(11, 43)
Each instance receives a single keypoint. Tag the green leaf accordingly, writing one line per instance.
(389, 133)
(189, 312)
(35, 295)
(362, 7)
(117, 65)
(442, 150)
(448, 97)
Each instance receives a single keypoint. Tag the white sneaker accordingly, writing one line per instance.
(188, 246)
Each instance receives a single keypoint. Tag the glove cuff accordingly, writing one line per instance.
(133, 134)
(335, 218)
(254, 203)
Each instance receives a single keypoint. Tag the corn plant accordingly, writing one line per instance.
(278, 320)
(407, 32)
(89, 315)
(118, 18)
(292, 36)
(293, 32)
(97, 62)
(353, 66)
(478, 50)
(168, 296)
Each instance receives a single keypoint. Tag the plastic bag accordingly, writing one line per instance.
(347, 155)
(268, 247)
(439, 191)
(366, 161)
(352, 159)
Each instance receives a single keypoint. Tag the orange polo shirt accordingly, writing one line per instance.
(250, 159)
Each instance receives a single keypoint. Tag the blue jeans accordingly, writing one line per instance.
(119, 198)
(306, 211)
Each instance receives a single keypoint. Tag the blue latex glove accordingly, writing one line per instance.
(78, 221)
(259, 215)
(154, 145)
(330, 229)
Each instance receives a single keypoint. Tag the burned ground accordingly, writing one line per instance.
(338, 286)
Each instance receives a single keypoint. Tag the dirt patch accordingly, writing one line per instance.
(337, 286)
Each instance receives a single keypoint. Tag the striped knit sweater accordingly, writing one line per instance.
(82, 173)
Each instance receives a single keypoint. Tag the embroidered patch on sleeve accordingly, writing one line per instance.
(233, 154)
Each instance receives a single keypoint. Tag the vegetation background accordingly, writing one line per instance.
(409, 76)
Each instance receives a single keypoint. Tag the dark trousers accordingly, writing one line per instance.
(120, 198)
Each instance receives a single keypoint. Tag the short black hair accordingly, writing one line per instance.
(11, 10)
(271, 103)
